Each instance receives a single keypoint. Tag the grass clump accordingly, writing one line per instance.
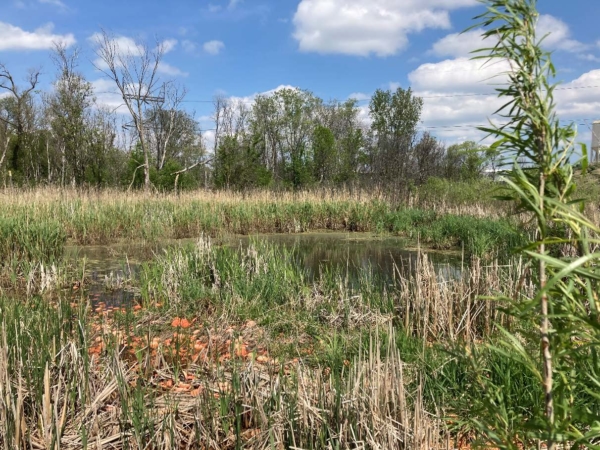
(28, 240)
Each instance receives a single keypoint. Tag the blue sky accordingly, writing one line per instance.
(335, 48)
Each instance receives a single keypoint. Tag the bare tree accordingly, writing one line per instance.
(166, 121)
(18, 120)
(134, 70)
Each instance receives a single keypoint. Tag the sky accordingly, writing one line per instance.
(335, 48)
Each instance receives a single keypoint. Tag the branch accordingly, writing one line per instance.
(133, 178)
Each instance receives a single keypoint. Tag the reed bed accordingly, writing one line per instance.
(239, 348)
(102, 217)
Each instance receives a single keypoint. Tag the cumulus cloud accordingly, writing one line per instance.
(364, 27)
(213, 47)
(456, 101)
(580, 98)
(124, 45)
(250, 99)
(460, 75)
(43, 38)
(127, 46)
(458, 45)
(588, 57)
(558, 35)
(459, 92)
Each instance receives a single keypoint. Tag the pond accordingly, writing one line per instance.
(350, 254)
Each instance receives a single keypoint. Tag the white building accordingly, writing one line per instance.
(595, 153)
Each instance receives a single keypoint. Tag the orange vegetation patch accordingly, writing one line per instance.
(181, 323)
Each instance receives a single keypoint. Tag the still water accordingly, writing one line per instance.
(350, 254)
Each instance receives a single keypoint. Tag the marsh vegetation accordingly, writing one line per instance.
(209, 330)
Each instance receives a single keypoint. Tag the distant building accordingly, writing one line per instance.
(595, 153)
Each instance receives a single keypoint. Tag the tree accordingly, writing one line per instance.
(135, 72)
(464, 161)
(5, 135)
(395, 116)
(342, 118)
(20, 112)
(167, 125)
(323, 146)
(69, 109)
(428, 157)
(239, 166)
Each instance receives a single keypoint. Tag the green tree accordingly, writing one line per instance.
(69, 109)
(238, 165)
(465, 161)
(323, 146)
(395, 116)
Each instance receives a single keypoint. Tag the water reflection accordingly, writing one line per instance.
(356, 254)
(349, 254)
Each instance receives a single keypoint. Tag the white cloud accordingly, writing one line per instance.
(364, 27)
(360, 96)
(458, 45)
(457, 98)
(213, 47)
(588, 57)
(249, 99)
(214, 8)
(188, 46)
(394, 85)
(558, 35)
(106, 97)
(15, 38)
(459, 93)
(169, 45)
(126, 46)
(234, 3)
(57, 3)
(461, 75)
(580, 98)
(168, 69)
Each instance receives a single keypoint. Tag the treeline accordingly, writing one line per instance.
(293, 138)
(288, 139)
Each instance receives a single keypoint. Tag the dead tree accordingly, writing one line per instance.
(134, 70)
(166, 121)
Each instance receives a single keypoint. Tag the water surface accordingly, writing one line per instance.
(350, 254)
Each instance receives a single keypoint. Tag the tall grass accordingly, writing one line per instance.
(105, 216)
(283, 360)
(27, 239)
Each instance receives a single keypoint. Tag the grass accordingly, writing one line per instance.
(239, 348)
(35, 222)
(242, 347)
